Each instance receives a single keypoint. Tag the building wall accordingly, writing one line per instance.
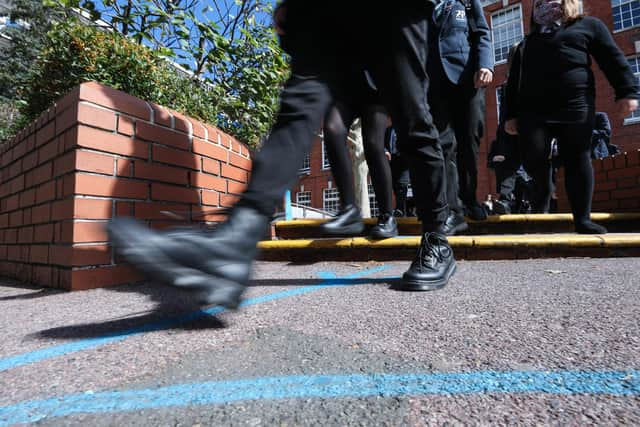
(626, 136)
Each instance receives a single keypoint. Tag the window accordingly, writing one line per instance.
(635, 67)
(506, 28)
(488, 2)
(306, 164)
(626, 14)
(331, 200)
(373, 203)
(325, 157)
(303, 198)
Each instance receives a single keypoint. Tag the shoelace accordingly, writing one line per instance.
(436, 252)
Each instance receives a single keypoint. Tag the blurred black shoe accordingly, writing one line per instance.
(501, 207)
(433, 266)
(476, 212)
(385, 228)
(455, 224)
(347, 222)
(589, 227)
(214, 265)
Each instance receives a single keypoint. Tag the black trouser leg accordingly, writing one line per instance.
(575, 152)
(303, 104)
(469, 129)
(449, 149)
(534, 139)
(401, 181)
(374, 125)
(398, 66)
(336, 130)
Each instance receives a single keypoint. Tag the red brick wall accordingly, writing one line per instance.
(617, 184)
(96, 154)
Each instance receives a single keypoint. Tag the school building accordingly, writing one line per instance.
(509, 22)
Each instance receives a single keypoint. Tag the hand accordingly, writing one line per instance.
(387, 155)
(511, 127)
(483, 77)
(498, 158)
(627, 106)
(279, 18)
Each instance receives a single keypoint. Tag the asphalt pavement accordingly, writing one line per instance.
(551, 341)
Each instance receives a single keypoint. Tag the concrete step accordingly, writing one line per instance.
(495, 224)
(476, 247)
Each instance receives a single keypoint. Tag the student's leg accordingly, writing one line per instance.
(574, 148)
(534, 140)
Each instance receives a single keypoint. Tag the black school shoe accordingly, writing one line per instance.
(476, 212)
(214, 265)
(455, 224)
(347, 222)
(433, 266)
(386, 227)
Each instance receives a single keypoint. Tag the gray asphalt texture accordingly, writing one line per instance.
(531, 315)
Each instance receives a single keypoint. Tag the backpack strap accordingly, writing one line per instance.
(468, 9)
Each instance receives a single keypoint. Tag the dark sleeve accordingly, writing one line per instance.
(612, 61)
(481, 37)
(511, 97)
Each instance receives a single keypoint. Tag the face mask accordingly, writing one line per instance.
(546, 12)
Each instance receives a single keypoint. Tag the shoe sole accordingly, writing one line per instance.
(207, 289)
(383, 234)
(426, 285)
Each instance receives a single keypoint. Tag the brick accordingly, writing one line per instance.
(175, 157)
(605, 205)
(601, 196)
(126, 125)
(199, 213)
(42, 275)
(597, 165)
(111, 143)
(213, 133)
(12, 203)
(235, 146)
(19, 150)
(64, 164)
(161, 115)
(14, 253)
(4, 220)
(85, 232)
(172, 193)
(210, 166)
(39, 175)
(210, 182)
(48, 151)
(27, 198)
(228, 200)
(80, 255)
(41, 213)
(96, 117)
(3, 253)
(69, 140)
(16, 185)
(67, 119)
(24, 272)
(236, 187)
(5, 159)
(210, 150)
(16, 219)
(30, 161)
(39, 254)
(25, 235)
(68, 186)
(210, 198)
(633, 158)
(631, 172)
(626, 194)
(162, 173)
(95, 162)
(224, 139)
(124, 208)
(607, 163)
(181, 122)
(85, 208)
(114, 100)
(45, 134)
(162, 135)
(124, 167)
(151, 211)
(27, 216)
(62, 209)
(627, 182)
(46, 192)
(103, 276)
(11, 236)
(619, 161)
(43, 233)
(629, 204)
(239, 161)
(95, 185)
(232, 172)
(198, 129)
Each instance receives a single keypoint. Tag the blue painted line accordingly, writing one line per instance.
(621, 383)
(85, 344)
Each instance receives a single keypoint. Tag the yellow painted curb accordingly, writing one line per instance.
(486, 242)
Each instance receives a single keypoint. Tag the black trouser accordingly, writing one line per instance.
(400, 180)
(459, 113)
(374, 124)
(505, 181)
(574, 150)
(393, 42)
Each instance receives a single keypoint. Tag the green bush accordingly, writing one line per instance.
(74, 54)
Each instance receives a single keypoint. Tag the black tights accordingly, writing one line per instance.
(574, 149)
(336, 129)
